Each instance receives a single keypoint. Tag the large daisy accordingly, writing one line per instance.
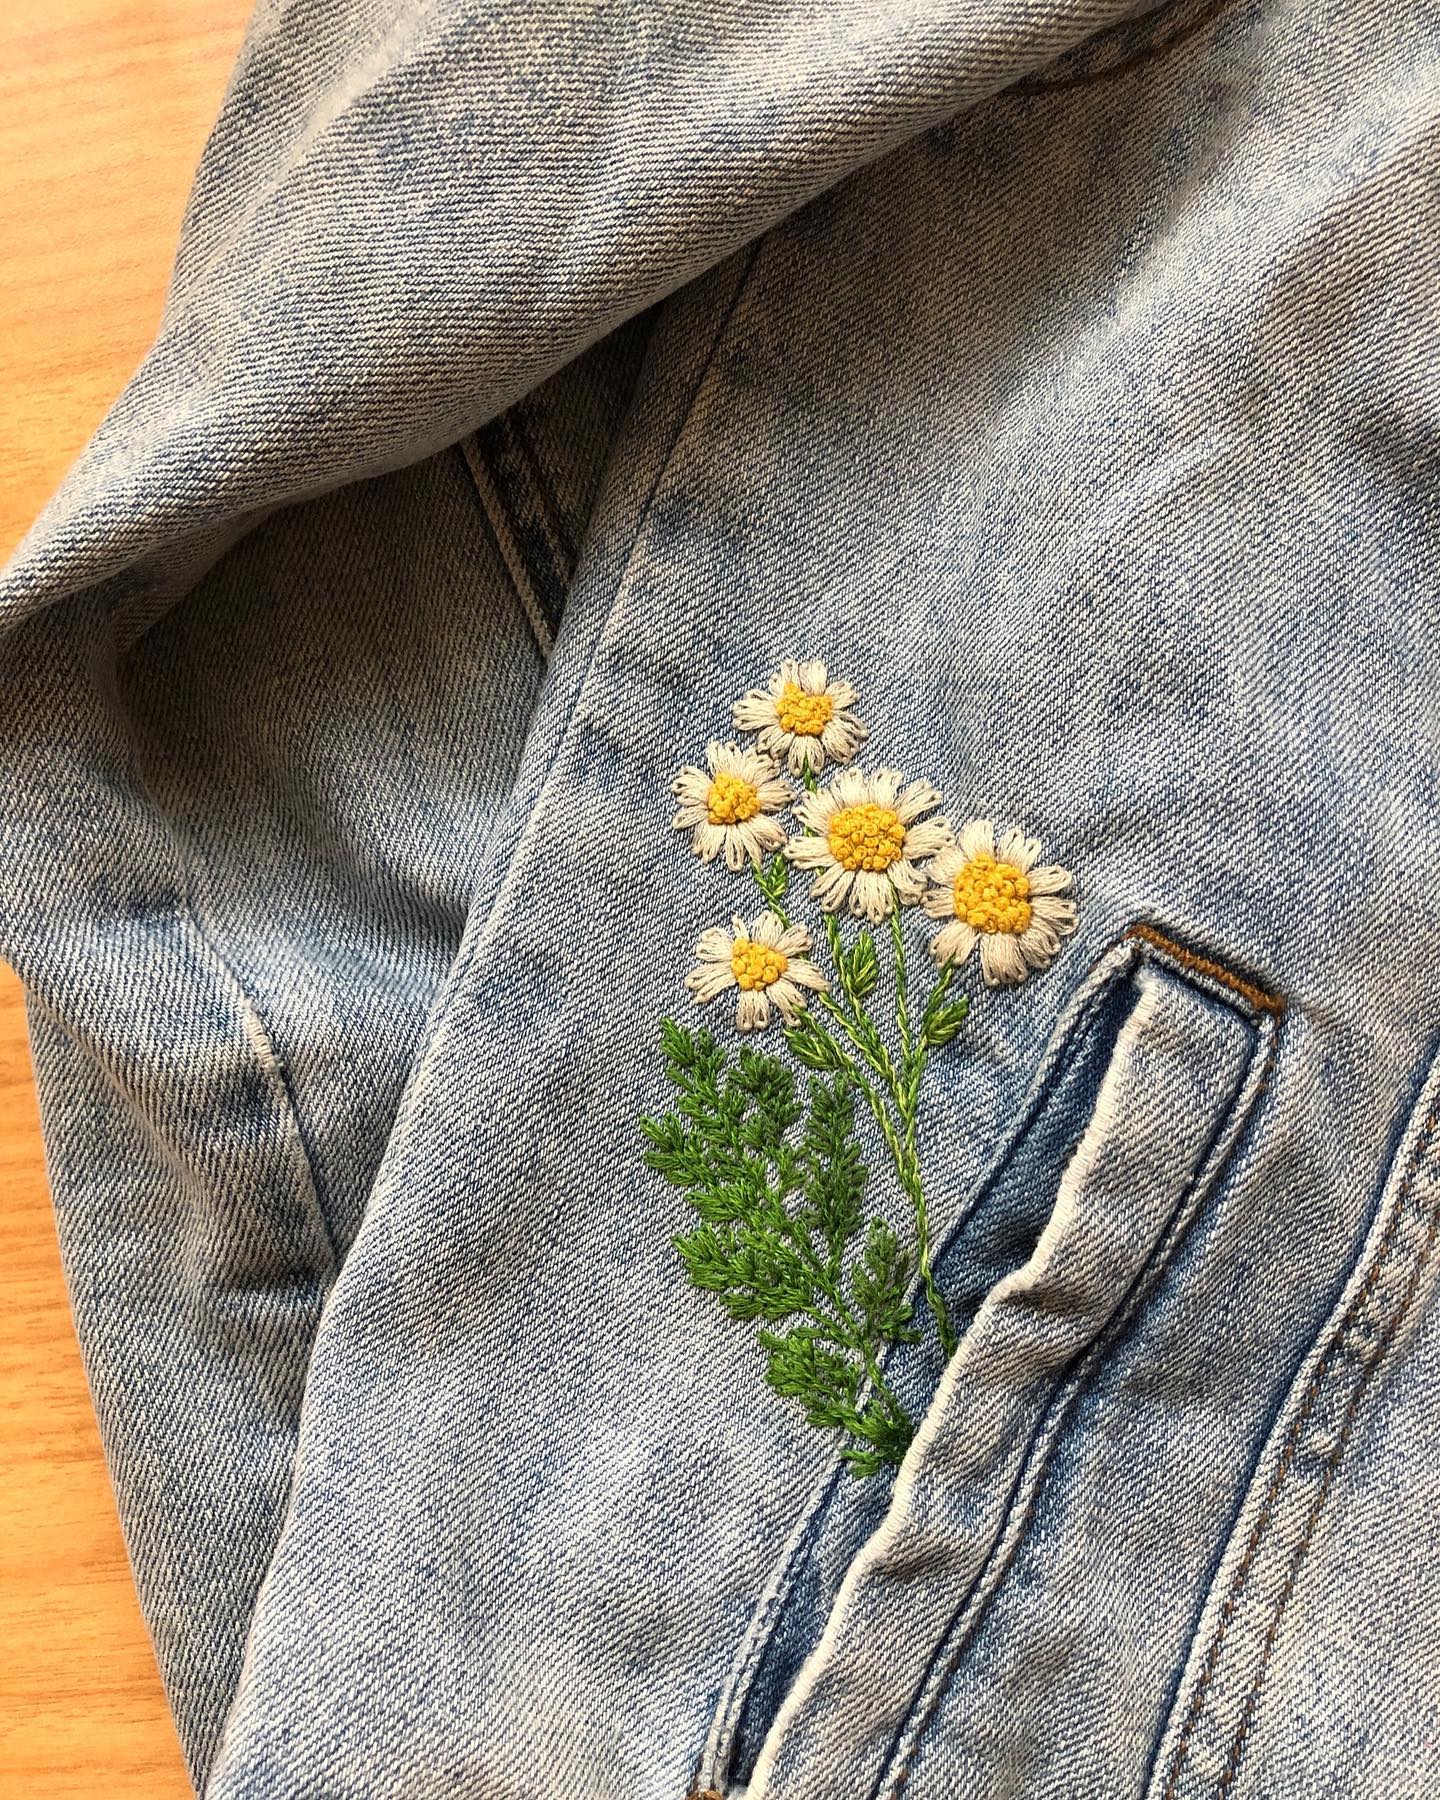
(730, 805)
(803, 718)
(766, 960)
(994, 895)
(868, 833)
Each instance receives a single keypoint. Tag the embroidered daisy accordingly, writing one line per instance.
(995, 896)
(803, 718)
(730, 808)
(868, 835)
(766, 961)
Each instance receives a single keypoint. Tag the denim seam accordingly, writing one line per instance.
(501, 527)
(510, 827)
(715, 1760)
(260, 1040)
(268, 1060)
(1071, 1384)
(542, 493)
(1151, 52)
(1286, 1462)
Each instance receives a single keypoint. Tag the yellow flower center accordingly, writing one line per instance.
(756, 965)
(806, 715)
(866, 837)
(732, 800)
(993, 896)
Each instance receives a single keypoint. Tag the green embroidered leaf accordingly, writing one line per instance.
(887, 1434)
(812, 1047)
(773, 879)
(833, 1174)
(802, 1367)
(942, 1024)
(879, 1282)
(776, 1227)
(863, 967)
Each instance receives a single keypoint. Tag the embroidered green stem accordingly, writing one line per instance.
(857, 972)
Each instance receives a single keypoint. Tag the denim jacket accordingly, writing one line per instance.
(857, 583)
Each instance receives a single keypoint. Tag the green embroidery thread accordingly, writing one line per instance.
(775, 1178)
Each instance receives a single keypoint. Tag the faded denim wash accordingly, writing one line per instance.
(534, 379)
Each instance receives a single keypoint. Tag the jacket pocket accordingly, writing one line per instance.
(1148, 1081)
(1221, 1704)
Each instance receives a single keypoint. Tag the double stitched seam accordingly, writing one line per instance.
(1258, 998)
(1287, 1457)
(1043, 1437)
(507, 543)
(762, 1627)
(497, 871)
(547, 509)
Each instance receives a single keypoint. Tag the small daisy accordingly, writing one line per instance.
(867, 839)
(995, 896)
(803, 719)
(730, 808)
(765, 960)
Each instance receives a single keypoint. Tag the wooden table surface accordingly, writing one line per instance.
(104, 108)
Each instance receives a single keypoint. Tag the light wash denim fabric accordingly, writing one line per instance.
(534, 380)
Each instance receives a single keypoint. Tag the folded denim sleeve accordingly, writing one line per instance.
(659, 557)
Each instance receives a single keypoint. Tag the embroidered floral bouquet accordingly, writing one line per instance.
(776, 1179)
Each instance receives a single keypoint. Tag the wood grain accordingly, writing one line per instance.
(104, 108)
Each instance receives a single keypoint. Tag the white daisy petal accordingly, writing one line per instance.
(1058, 914)
(955, 943)
(1038, 945)
(753, 710)
(948, 864)
(817, 810)
(808, 852)
(752, 1013)
(767, 928)
(919, 797)
(843, 694)
(714, 945)
(978, 839)
(806, 754)
(786, 996)
(737, 853)
(708, 841)
(873, 897)
(926, 838)
(939, 902)
(1001, 961)
(831, 887)
(805, 972)
(711, 979)
(842, 737)
(884, 786)
(907, 881)
(1051, 879)
(1039, 948)
(812, 677)
(1017, 850)
(849, 788)
(691, 785)
(794, 940)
